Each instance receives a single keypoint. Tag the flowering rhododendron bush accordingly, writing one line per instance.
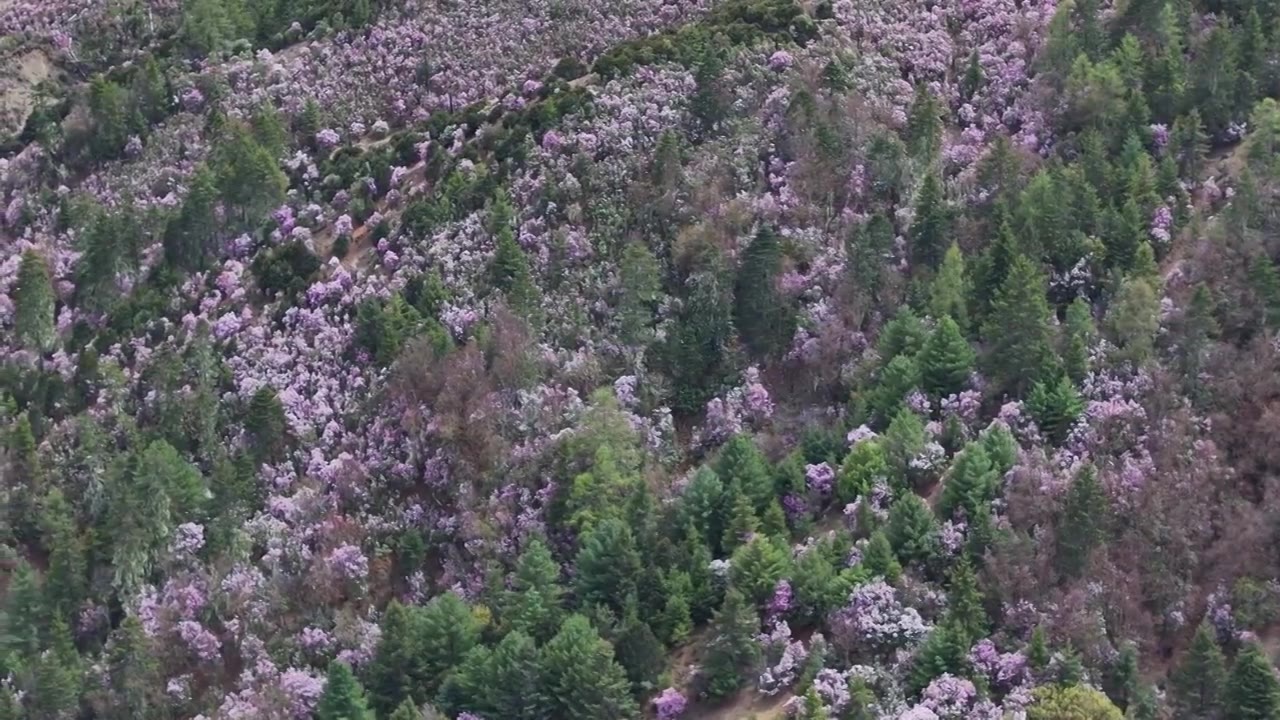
(573, 360)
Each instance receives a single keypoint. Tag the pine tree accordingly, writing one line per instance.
(676, 620)
(1134, 320)
(865, 464)
(110, 244)
(23, 616)
(965, 609)
(265, 424)
(931, 228)
(640, 291)
(946, 361)
(1078, 339)
(742, 523)
(444, 631)
(732, 653)
(134, 675)
(1082, 523)
(1197, 685)
(26, 482)
(1018, 331)
(249, 179)
(697, 349)
(817, 588)
(150, 91)
(924, 125)
(757, 567)
(903, 442)
(970, 485)
(1199, 329)
(696, 556)
(343, 698)
(509, 271)
(33, 303)
(607, 565)
(761, 314)
(949, 292)
(1252, 690)
(189, 239)
(391, 675)
(110, 110)
(515, 689)
(407, 711)
(1055, 407)
(813, 708)
(879, 560)
(638, 651)
(741, 463)
(65, 578)
(1123, 682)
(57, 677)
(1214, 79)
(912, 529)
(581, 679)
(884, 400)
(534, 602)
(773, 522)
(944, 651)
(139, 520)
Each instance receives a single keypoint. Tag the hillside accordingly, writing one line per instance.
(608, 359)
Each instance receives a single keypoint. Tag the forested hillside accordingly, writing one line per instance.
(620, 359)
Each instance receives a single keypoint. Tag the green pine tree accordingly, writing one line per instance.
(743, 523)
(1081, 527)
(949, 292)
(762, 316)
(1055, 407)
(970, 485)
(924, 125)
(534, 604)
(946, 361)
(698, 357)
(134, 675)
(343, 697)
(189, 238)
(1018, 333)
(1197, 684)
(912, 529)
(391, 676)
(965, 605)
(944, 651)
(65, 578)
(33, 302)
(608, 564)
(732, 652)
(640, 291)
(931, 228)
(879, 559)
(757, 567)
(1080, 334)
(266, 425)
(741, 463)
(581, 679)
(1252, 690)
(515, 684)
(639, 651)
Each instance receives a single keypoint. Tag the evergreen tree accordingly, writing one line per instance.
(698, 347)
(1045, 220)
(110, 244)
(931, 227)
(995, 263)
(773, 522)
(139, 519)
(113, 116)
(965, 608)
(696, 556)
(867, 247)
(757, 567)
(23, 616)
(676, 620)
(1078, 339)
(904, 440)
(1196, 686)
(816, 587)
(879, 560)
(1082, 523)
(761, 314)
(189, 239)
(65, 578)
(509, 271)
(640, 293)
(343, 698)
(1214, 78)
(924, 125)
(25, 484)
(534, 602)
(949, 292)
(1055, 407)
(407, 711)
(444, 631)
(57, 676)
(581, 679)
(741, 463)
(265, 425)
(1199, 328)
(970, 485)
(944, 651)
(912, 529)
(134, 675)
(391, 674)
(813, 709)
(1252, 690)
(946, 361)
(884, 400)
(904, 334)
(1134, 320)
(607, 565)
(249, 178)
(1018, 331)
(514, 687)
(865, 465)
(638, 651)
(33, 302)
(732, 653)
(742, 523)
(1123, 683)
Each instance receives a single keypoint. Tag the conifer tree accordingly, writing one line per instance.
(190, 236)
(944, 651)
(946, 361)
(607, 565)
(1196, 686)
(134, 675)
(65, 577)
(1252, 690)
(1082, 523)
(884, 400)
(903, 442)
(949, 292)
(865, 464)
(33, 302)
(965, 608)
(641, 288)
(931, 227)
(924, 125)
(732, 653)
(904, 334)
(343, 697)
(57, 677)
(112, 117)
(1214, 77)
(879, 560)
(757, 567)
(24, 613)
(534, 602)
(698, 347)
(676, 620)
(139, 520)
(912, 529)
(515, 686)
(696, 558)
(813, 708)
(1018, 331)
(581, 679)
(26, 483)
(392, 676)
(265, 424)
(249, 178)
(1134, 320)
(638, 651)
(1199, 328)
(1055, 407)
(407, 711)
(773, 522)
(970, 484)
(1079, 337)
(995, 264)
(761, 315)
(742, 463)
(742, 523)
